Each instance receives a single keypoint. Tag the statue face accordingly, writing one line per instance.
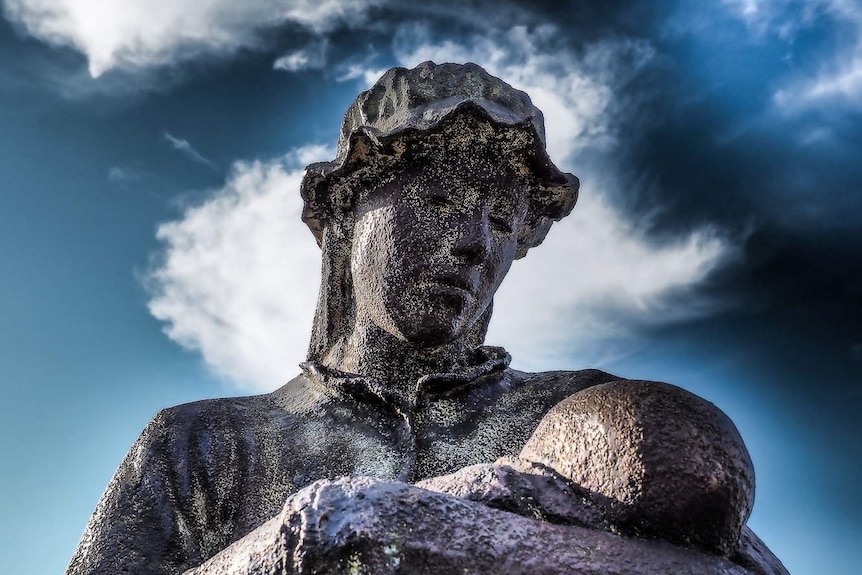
(431, 246)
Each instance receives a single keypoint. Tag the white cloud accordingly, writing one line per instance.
(239, 273)
(310, 57)
(189, 151)
(132, 34)
(592, 281)
(347, 71)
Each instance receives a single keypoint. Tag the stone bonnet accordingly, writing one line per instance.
(405, 106)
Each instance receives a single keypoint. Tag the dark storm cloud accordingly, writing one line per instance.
(584, 20)
(721, 155)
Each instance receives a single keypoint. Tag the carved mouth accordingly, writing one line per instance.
(454, 280)
(452, 287)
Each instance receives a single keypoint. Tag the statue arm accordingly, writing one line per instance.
(138, 526)
(361, 525)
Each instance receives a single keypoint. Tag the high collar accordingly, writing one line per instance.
(488, 362)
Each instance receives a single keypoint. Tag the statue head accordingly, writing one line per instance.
(440, 181)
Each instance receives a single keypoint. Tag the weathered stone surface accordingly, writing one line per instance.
(418, 99)
(406, 108)
(664, 462)
(533, 490)
(523, 487)
(362, 526)
(204, 474)
(441, 181)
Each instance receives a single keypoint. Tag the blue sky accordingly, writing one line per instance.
(149, 168)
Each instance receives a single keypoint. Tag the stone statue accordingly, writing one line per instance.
(405, 445)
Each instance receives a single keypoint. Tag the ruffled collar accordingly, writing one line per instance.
(489, 362)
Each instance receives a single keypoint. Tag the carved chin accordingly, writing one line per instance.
(434, 331)
(443, 320)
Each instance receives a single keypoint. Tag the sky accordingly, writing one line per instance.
(150, 160)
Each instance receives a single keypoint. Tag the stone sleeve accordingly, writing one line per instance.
(364, 526)
(137, 526)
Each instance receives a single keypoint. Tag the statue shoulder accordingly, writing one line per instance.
(201, 417)
(561, 383)
(233, 414)
(522, 399)
(186, 467)
(152, 495)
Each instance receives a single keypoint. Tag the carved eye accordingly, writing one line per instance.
(439, 200)
(501, 224)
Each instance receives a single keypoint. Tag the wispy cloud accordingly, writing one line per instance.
(126, 176)
(184, 147)
(363, 66)
(135, 177)
(836, 76)
(843, 84)
(784, 18)
(123, 175)
(132, 34)
(310, 57)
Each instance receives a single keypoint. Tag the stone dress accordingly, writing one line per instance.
(204, 474)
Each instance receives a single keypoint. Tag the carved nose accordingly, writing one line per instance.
(473, 240)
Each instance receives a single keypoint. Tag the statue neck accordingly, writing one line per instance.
(393, 362)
